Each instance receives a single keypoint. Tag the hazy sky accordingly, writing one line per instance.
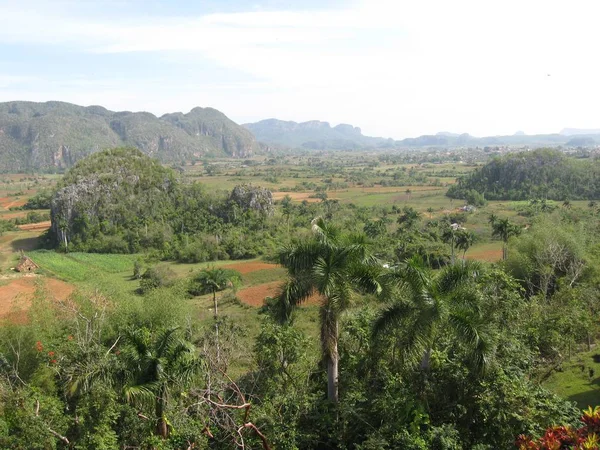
(396, 68)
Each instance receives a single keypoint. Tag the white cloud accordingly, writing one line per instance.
(392, 67)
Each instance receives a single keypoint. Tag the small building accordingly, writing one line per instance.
(26, 264)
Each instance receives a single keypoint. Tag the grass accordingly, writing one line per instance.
(575, 384)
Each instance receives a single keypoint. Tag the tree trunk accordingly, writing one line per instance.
(504, 252)
(332, 369)
(216, 313)
(425, 360)
(162, 429)
(216, 327)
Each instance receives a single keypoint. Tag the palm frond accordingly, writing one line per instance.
(391, 316)
(292, 293)
(455, 275)
(165, 341)
(470, 329)
(141, 394)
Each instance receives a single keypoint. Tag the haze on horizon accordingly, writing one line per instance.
(395, 69)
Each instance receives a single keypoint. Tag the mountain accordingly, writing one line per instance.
(42, 136)
(448, 140)
(314, 134)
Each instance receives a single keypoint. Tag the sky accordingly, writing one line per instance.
(395, 68)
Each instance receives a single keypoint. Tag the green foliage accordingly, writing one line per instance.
(156, 277)
(547, 174)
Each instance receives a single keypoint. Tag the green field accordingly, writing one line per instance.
(574, 382)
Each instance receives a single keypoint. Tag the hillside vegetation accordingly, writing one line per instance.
(52, 135)
(122, 201)
(542, 174)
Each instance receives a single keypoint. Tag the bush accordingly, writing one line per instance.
(156, 277)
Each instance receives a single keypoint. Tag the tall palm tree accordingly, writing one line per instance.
(211, 281)
(333, 266)
(155, 365)
(464, 239)
(505, 229)
(428, 305)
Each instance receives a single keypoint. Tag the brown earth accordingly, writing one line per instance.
(255, 295)
(249, 267)
(9, 202)
(14, 215)
(40, 226)
(486, 255)
(16, 296)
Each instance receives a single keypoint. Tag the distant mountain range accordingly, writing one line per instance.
(320, 135)
(56, 134)
(314, 135)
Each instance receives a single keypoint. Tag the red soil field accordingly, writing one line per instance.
(255, 295)
(9, 202)
(40, 226)
(486, 255)
(17, 294)
(248, 267)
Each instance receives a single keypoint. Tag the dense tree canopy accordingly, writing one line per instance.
(547, 174)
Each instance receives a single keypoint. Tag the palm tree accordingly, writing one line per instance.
(504, 229)
(211, 281)
(464, 239)
(333, 266)
(449, 236)
(409, 217)
(155, 365)
(435, 304)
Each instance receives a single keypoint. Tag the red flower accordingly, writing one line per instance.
(52, 361)
(51, 354)
(70, 337)
(38, 346)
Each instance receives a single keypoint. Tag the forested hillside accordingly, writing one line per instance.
(541, 174)
(122, 201)
(52, 135)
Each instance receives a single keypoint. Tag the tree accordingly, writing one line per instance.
(450, 236)
(154, 365)
(409, 217)
(435, 304)
(408, 194)
(464, 239)
(332, 266)
(504, 229)
(211, 281)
